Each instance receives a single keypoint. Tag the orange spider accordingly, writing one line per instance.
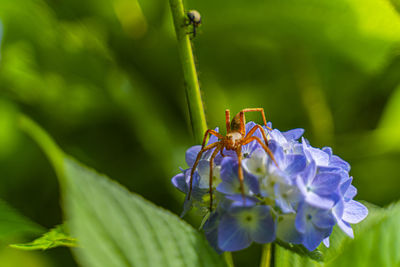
(235, 138)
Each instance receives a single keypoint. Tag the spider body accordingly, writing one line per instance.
(194, 19)
(235, 138)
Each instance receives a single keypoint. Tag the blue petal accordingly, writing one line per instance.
(229, 169)
(350, 193)
(293, 134)
(346, 228)
(319, 202)
(354, 212)
(277, 137)
(301, 220)
(239, 201)
(338, 162)
(344, 186)
(287, 196)
(179, 182)
(327, 150)
(297, 163)
(265, 231)
(286, 229)
(325, 184)
(329, 169)
(320, 157)
(231, 236)
(211, 231)
(313, 237)
(278, 153)
(191, 155)
(326, 242)
(250, 125)
(228, 188)
(309, 173)
(301, 185)
(323, 219)
(338, 210)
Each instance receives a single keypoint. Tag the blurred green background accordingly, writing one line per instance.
(103, 77)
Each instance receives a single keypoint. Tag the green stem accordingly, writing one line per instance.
(50, 148)
(228, 259)
(266, 255)
(193, 94)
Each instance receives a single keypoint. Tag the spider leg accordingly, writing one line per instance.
(250, 133)
(258, 110)
(195, 165)
(228, 120)
(240, 171)
(214, 154)
(209, 131)
(265, 147)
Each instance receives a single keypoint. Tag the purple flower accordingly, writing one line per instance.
(318, 190)
(230, 181)
(314, 224)
(297, 198)
(241, 226)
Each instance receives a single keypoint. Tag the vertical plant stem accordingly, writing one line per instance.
(228, 259)
(193, 94)
(266, 255)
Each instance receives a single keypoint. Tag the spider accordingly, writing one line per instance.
(235, 138)
(194, 19)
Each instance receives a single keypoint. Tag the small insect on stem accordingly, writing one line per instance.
(194, 19)
(235, 138)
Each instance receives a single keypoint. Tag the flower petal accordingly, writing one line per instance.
(338, 162)
(286, 229)
(265, 231)
(293, 134)
(231, 236)
(354, 212)
(350, 193)
(346, 228)
(229, 169)
(324, 219)
(191, 155)
(319, 202)
(179, 182)
(326, 242)
(295, 163)
(325, 184)
(313, 237)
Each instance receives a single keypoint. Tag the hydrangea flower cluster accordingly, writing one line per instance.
(298, 199)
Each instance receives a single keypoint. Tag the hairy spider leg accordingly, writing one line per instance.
(252, 131)
(228, 120)
(240, 170)
(266, 148)
(257, 110)
(209, 131)
(197, 162)
(214, 154)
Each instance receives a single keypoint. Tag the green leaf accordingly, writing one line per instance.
(116, 227)
(56, 237)
(12, 223)
(376, 243)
